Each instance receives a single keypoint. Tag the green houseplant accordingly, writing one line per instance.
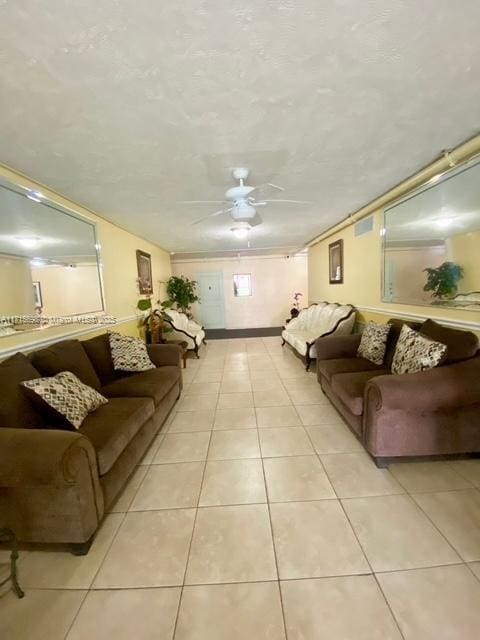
(443, 281)
(152, 323)
(181, 291)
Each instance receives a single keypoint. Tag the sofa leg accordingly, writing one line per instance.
(204, 342)
(196, 352)
(382, 463)
(81, 548)
(308, 362)
(283, 342)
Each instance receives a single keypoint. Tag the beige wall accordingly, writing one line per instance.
(363, 279)
(16, 289)
(464, 249)
(408, 265)
(274, 281)
(119, 269)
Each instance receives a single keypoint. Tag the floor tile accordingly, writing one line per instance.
(308, 395)
(235, 386)
(355, 475)
(296, 478)
(197, 403)
(229, 482)
(150, 550)
(183, 447)
(277, 417)
(395, 534)
(61, 569)
(235, 377)
(153, 448)
(274, 397)
(127, 614)
(187, 421)
(41, 615)
(229, 445)
(314, 539)
(335, 438)
(264, 383)
(469, 469)
(347, 608)
(126, 496)
(441, 603)
(235, 611)
(284, 441)
(235, 400)
(475, 567)
(317, 414)
(203, 388)
(169, 486)
(235, 418)
(231, 544)
(428, 476)
(457, 515)
(208, 376)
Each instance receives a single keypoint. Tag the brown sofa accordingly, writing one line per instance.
(56, 484)
(434, 412)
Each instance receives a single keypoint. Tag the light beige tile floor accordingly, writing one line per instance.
(257, 514)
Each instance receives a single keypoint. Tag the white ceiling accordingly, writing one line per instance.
(128, 108)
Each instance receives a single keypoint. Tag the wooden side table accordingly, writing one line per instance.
(184, 345)
(7, 535)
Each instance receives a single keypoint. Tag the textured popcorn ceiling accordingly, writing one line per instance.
(128, 107)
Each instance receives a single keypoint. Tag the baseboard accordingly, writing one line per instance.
(259, 332)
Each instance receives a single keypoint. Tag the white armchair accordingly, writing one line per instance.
(316, 321)
(185, 329)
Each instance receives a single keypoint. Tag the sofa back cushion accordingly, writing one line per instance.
(180, 320)
(16, 410)
(67, 355)
(393, 335)
(461, 345)
(100, 355)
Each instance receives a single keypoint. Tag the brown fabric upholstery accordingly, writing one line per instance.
(98, 350)
(112, 426)
(154, 384)
(334, 347)
(461, 345)
(16, 410)
(165, 354)
(330, 368)
(350, 388)
(354, 422)
(67, 355)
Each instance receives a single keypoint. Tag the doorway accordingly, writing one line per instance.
(212, 299)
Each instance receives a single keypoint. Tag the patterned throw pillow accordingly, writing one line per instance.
(129, 354)
(67, 396)
(373, 343)
(415, 352)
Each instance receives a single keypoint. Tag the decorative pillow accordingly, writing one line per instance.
(415, 352)
(129, 354)
(67, 396)
(374, 342)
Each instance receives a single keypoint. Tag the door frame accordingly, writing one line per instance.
(220, 276)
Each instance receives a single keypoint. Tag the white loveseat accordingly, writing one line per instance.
(185, 329)
(316, 321)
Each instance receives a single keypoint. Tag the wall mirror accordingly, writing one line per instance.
(49, 261)
(431, 243)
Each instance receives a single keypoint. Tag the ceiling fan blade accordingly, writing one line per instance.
(291, 201)
(202, 202)
(266, 188)
(211, 215)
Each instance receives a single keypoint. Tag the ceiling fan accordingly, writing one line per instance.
(241, 202)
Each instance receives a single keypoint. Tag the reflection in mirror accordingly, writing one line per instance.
(431, 243)
(49, 263)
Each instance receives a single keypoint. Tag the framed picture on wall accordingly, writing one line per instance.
(37, 295)
(335, 262)
(144, 270)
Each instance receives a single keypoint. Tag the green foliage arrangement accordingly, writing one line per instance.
(181, 292)
(443, 281)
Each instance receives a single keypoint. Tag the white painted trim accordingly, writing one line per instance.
(45, 342)
(396, 313)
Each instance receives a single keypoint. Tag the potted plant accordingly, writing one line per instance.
(295, 310)
(443, 281)
(181, 292)
(153, 321)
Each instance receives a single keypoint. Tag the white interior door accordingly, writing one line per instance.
(212, 299)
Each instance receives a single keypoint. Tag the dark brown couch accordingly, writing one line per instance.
(434, 412)
(56, 484)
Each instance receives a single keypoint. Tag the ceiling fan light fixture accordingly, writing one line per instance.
(240, 230)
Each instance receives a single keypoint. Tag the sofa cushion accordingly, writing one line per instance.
(112, 426)
(67, 355)
(349, 387)
(415, 352)
(129, 353)
(16, 410)
(461, 345)
(329, 368)
(65, 395)
(154, 384)
(373, 342)
(98, 351)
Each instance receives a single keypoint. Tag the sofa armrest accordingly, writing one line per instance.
(165, 354)
(332, 347)
(439, 389)
(33, 457)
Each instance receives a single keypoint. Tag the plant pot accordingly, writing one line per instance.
(294, 312)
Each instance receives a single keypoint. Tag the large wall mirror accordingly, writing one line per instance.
(49, 262)
(431, 244)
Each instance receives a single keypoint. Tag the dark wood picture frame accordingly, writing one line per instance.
(37, 294)
(144, 270)
(335, 262)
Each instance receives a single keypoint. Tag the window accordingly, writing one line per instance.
(242, 285)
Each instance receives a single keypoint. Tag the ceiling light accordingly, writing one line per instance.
(443, 223)
(28, 242)
(37, 262)
(240, 230)
(35, 196)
